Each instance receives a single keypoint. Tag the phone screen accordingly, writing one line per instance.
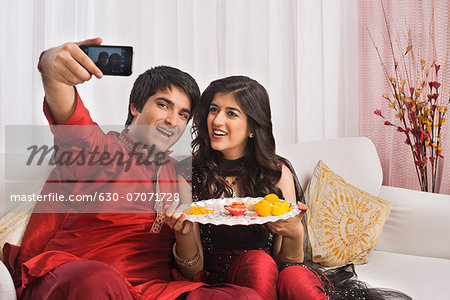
(111, 60)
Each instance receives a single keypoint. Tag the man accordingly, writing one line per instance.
(102, 60)
(122, 250)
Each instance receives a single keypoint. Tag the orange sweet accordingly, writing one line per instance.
(271, 198)
(279, 208)
(263, 208)
(284, 204)
(198, 210)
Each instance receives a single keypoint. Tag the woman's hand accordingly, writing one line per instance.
(292, 227)
(288, 244)
(178, 223)
(188, 248)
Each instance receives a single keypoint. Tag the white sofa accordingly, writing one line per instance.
(413, 252)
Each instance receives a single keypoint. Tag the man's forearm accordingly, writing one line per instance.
(60, 99)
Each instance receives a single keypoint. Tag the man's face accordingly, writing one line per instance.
(162, 120)
(103, 58)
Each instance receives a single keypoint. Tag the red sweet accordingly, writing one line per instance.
(236, 209)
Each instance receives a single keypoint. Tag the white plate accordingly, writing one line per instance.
(222, 217)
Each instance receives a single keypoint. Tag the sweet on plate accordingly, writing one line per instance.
(198, 210)
(236, 208)
(272, 205)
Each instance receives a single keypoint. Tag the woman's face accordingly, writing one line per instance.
(227, 126)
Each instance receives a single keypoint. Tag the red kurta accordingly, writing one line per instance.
(137, 245)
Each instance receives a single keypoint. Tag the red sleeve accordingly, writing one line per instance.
(78, 131)
(78, 135)
(80, 116)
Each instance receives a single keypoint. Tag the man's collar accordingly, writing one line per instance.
(131, 145)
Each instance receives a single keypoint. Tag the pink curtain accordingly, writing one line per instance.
(415, 15)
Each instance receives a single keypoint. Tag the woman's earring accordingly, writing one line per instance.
(250, 135)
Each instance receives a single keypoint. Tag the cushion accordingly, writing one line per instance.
(343, 222)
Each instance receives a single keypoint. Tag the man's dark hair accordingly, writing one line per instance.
(103, 53)
(159, 79)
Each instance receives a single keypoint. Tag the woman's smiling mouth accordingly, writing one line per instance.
(219, 133)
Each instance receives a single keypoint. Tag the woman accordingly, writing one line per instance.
(113, 65)
(234, 156)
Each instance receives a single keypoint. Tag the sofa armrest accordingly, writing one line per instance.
(418, 224)
(7, 290)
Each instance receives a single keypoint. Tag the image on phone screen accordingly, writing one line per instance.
(111, 60)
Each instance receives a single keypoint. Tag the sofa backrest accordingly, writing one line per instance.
(418, 224)
(354, 159)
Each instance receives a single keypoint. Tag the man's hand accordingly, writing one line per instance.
(62, 68)
(68, 64)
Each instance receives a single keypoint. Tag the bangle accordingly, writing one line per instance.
(294, 258)
(185, 262)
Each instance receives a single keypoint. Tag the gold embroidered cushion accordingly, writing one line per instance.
(343, 222)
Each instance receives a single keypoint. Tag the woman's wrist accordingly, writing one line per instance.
(297, 258)
(185, 250)
(296, 234)
(292, 249)
(185, 262)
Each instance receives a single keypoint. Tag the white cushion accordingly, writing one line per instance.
(419, 223)
(354, 159)
(422, 278)
(7, 290)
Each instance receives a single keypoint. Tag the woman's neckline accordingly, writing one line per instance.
(230, 167)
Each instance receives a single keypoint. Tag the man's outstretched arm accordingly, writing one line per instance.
(62, 68)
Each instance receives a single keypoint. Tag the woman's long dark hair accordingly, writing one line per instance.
(261, 171)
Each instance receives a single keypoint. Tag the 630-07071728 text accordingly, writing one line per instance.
(97, 196)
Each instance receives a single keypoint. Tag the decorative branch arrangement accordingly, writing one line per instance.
(420, 102)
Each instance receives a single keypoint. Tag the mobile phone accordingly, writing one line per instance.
(111, 60)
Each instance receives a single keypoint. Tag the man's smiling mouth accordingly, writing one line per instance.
(164, 131)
